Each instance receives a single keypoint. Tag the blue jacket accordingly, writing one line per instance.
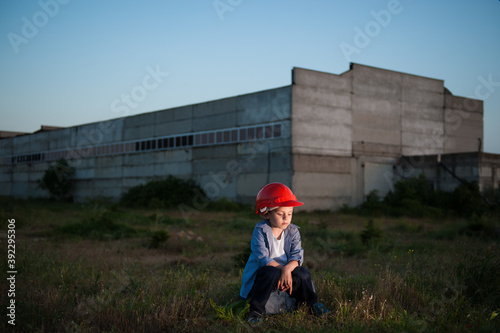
(261, 250)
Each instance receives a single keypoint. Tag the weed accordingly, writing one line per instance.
(370, 234)
(97, 223)
(158, 238)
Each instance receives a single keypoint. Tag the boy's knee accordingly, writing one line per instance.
(302, 273)
(270, 271)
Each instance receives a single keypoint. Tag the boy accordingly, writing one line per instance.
(277, 255)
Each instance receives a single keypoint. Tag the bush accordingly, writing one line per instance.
(370, 234)
(467, 201)
(166, 193)
(158, 237)
(57, 179)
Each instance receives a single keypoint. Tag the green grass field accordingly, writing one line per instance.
(108, 268)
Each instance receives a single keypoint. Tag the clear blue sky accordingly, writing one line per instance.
(68, 62)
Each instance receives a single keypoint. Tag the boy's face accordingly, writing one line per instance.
(281, 217)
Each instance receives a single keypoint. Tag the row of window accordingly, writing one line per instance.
(207, 138)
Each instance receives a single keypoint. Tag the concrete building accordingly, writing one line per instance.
(332, 138)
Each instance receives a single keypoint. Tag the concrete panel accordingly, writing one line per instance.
(178, 169)
(173, 155)
(6, 147)
(322, 190)
(264, 106)
(38, 142)
(320, 96)
(327, 138)
(5, 174)
(20, 189)
(138, 159)
(280, 162)
(21, 145)
(363, 120)
(370, 148)
(378, 176)
(422, 97)
(485, 171)
(429, 127)
(280, 177)
(180, 113)
(464, 104)
(139, 171)
(216, 151)
(376, 136)
(137, 133)
(378, 91)
(130, 182)
(455, 144)
(420, 143)
(62, 138)
(321, 164)
(249, 184)
(211, 108)
(87, 173)
(145, 119)
(375, 76)
(414, 82)
(376, 106)
(322, 184)
(320, 79)
(217, 186)
(213, 122)
(321, 114)
(162, 129)
(420, 111)
(6, 188)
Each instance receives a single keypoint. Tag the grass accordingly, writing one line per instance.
(107, 268)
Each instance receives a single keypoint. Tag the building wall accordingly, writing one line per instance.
(447, 171)
(332, 138)
(368, 118)
(111, 156)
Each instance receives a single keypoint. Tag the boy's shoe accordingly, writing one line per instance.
(254, 318)
(319, 309)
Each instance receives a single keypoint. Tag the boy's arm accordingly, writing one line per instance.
(259, 248)
(296, 251)
(285, 281)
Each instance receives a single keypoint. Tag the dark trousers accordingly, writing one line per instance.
(267, 280)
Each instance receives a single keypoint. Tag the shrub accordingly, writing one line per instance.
(57, 179)
(158, 237)
(370, 234)
(166, 193)
(467, 201)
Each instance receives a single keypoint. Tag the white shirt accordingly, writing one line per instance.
(278, 251)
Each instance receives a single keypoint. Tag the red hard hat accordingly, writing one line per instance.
(275, 195)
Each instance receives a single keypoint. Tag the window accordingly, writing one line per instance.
(277, 131)
(243, 134)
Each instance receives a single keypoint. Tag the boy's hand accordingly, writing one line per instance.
(285, 282)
